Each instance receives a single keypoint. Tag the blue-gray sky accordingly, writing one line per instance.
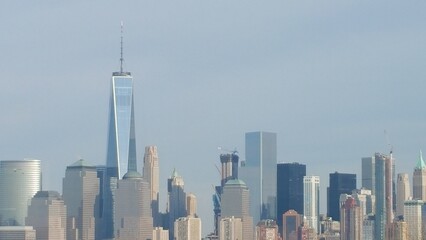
(327, 76)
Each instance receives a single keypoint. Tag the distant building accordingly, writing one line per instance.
(368, 228)
(133, 220)
(47, 214)
(384, 194)
(230, 228)
(176, 205)
(267, 230)
(398, 231)
(187, 228)
(259, 171)
(419, 180)
(365, 200)
(160, 234)
(413, 218)
(403, 193)
(80, 194)
(19, 181)
(291, 223)
(289, 189)
(368, 174)
(350, 220)
(17, 233)
(339, 183)
(191, 205)
(311, 200)
(235, 202)
(151, 174)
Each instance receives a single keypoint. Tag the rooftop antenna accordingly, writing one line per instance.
(121, 52)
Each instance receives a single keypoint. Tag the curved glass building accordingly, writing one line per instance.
(19, 181)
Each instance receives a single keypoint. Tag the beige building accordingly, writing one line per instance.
(230, 228)
(350, 220)
(17, 233)
(191, 205)
(160, 234)
(47, 215)
(151, 174)
(267, 230)
(187, 228)
(419, 180)
(133, 220)
(403, 192)
(398, 231)
(413, 218)
(80, 192)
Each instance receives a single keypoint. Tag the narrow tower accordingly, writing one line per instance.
(419, 179)
(151, 174)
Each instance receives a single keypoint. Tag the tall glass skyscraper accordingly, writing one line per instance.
(259, 173)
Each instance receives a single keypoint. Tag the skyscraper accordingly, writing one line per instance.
(403, 192)
(259, 172)
(289, 189)
(384, 194)
(80, 194)
(350, 220)
(19, 181)
(419, 179)
(364, 200)
(176, 205)
(230, 228)
(235, 202)
(187, 228)
(191, 205)
(47, 214)
(267, 230)
(413, 218)
(368, 176)
(121, 149)
(291, 223)
(17, 233)
(151, 174)
(339, 183)
(311, 198)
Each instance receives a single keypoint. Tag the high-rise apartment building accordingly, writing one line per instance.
(133, 220)
(398, 230)
(384, 194)
(419, 179)
(291, 223)
(160, 234)
(191, 205)
(80, 194)
(176, 205)
(311, 196)
(17, 233)
(230, 228)
(403, 192)
(151, 174)
(235, 202)
(365, 200)
(267, 230)
(413, 218)
(259, 172)
(19, 181)
(340, 183)
(350, 220)
(289, 189)
(368, 175)
(47, 214)
(187, 228)
(121, 149)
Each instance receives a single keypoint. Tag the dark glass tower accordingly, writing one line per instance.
(289, 189)
(339, 183)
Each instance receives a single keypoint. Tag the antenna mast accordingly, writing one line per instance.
(121, 51)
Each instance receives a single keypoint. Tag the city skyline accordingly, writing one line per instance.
(332, 75)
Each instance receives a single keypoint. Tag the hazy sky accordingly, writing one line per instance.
(327, 76)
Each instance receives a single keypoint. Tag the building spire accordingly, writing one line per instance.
(121, 50)
(420, 164)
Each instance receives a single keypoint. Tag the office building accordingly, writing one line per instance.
(133, 220)
(80, 194)
(311, 196)
(340, 183)
(398, 230)
(121, 145)
(365, 200)
(47, 214)
(259, 171)
(191, 205)
(267, 230)
(368, 228)
(419, 179)
(350, 220)
(403, 192)
(230, 228)
(187, 228)
(289, 189)
(291, 223)
(368, 173)
(17, 233)
(151, 174)
(19, 181)
(384, 194)
(176, 205)
(160, 234)
(413, 218)
(236, 202)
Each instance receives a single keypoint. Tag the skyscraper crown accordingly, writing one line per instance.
(420, 163)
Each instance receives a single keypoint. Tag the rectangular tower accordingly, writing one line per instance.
(367, 173)
(339, 183)
(311, 196)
